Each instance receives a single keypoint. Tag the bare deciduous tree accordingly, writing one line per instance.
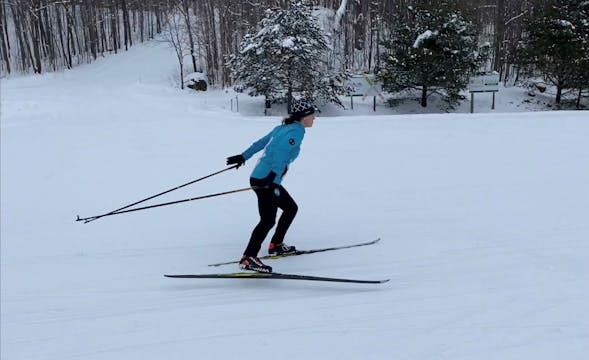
(41, 35)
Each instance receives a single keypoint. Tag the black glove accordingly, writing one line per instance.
(237, 159)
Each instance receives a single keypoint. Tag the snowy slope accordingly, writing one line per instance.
(483, 220)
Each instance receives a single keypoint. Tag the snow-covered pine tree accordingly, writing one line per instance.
(558, 45)
(581, 19)
(286, 57)
(437, 50)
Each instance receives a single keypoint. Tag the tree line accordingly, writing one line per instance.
(47, 35)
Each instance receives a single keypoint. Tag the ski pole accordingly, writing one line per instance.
(171, 203)
(96, 217)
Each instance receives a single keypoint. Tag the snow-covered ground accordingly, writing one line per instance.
(483, 219)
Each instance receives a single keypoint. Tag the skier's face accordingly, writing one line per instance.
(308, 120)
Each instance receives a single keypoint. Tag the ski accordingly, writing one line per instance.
(258, 275)
(303, 252)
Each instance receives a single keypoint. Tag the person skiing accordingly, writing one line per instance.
(281, 147)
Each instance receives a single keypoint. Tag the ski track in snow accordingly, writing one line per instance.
(483, 220)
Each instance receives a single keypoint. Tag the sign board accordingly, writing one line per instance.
(484, 83)
(363, 85)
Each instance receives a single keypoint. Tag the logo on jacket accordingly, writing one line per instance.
(291, 141)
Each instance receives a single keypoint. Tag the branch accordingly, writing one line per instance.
(515, 17)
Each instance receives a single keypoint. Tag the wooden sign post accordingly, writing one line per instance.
(481, 84)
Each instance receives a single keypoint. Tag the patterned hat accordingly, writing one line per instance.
(302, 107)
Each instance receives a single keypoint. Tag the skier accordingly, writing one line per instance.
(281, 146)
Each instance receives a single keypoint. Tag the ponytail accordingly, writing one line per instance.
(291, 119)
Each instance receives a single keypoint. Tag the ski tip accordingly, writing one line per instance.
(375, 281)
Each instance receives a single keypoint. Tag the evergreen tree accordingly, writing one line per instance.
(286, 56)
(581, 19)
(558, 45)
(435, 50)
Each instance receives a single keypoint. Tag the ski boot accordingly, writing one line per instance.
(281, 249)
(254, 264)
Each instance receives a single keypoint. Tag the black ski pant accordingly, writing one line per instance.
(269, 201)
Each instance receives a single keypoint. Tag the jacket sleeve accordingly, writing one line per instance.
(257, 146)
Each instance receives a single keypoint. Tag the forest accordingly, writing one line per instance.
(540, 39)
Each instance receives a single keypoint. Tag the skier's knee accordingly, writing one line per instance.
(292, 210)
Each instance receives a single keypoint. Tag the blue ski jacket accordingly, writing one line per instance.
(281, 146)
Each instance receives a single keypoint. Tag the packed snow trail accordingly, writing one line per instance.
(484, 216)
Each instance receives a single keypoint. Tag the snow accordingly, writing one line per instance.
(196, 76)
(288, 42)
(422, 37)
(565, 23)
(483, 219)
(249, 47)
